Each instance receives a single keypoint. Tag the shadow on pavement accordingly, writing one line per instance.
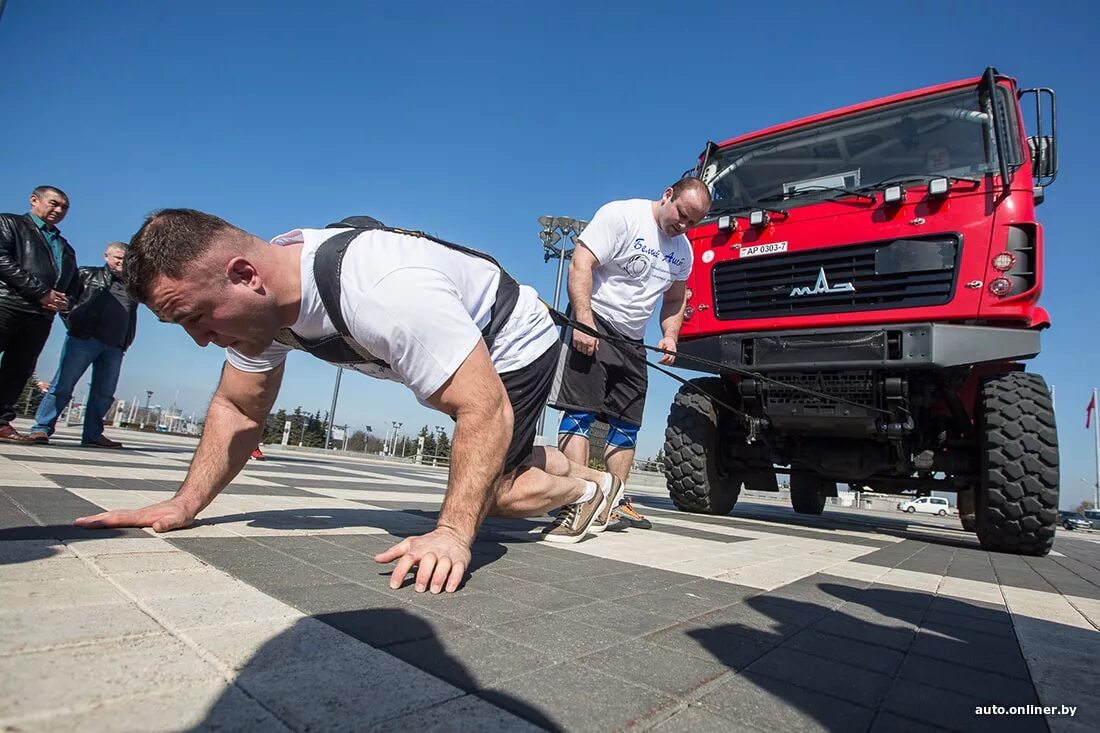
(400, 523)
(312, 679)
(845, 658)
(52, 533)
(903, 526)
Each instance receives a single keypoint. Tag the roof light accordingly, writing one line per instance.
(893, 195)
(727, 223)
(1004, 261)
(1001, 287)
(938, 187)
(759, 218)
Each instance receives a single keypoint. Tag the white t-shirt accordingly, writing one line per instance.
(414, 304)
(638, 263)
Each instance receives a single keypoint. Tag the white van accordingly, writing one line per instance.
(927, 505)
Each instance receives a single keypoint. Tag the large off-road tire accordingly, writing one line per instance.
(1018, 500)
(965, 504)
(697, 466)
(807, 492)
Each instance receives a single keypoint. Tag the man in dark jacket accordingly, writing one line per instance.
(101, 326)
(37, 280)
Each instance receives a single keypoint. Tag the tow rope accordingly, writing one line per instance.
(752, 424)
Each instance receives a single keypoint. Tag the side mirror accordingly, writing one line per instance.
(1044, 156)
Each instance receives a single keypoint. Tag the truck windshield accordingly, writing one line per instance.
(949, 134)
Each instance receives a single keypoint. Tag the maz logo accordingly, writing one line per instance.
(822, 286)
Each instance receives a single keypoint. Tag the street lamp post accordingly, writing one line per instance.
(396, 429)
(561, 229)
(332, 409)
(558, 233)
(148, 399)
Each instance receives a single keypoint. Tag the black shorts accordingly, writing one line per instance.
(610, 384)
(528, 388)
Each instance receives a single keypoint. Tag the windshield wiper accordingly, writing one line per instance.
(840, 192)
(916, 178)
(740, 209)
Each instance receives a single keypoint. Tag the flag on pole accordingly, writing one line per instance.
(1088, 411)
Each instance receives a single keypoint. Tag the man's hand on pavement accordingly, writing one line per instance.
(441, 556)
(162, 517)
(668, 345)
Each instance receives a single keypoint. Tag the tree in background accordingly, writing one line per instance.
(1084, 507)
(429, 441)
(357, 441)
(443, 445)
(273, 428)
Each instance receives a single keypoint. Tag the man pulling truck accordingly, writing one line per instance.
(631, 255)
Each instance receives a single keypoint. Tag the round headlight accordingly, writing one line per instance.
(1004, 261)
(1001, 287)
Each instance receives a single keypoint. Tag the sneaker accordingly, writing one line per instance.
(40, 437)
(258, 456)
(613, 500)
(574, 521)
(617, 523)
(626, 511)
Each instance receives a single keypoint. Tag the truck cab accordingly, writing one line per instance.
(866, 290)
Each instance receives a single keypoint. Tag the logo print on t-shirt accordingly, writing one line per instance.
(638, 265)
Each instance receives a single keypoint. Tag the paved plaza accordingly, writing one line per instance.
(270, 614)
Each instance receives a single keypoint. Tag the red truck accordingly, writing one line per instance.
(866, 290)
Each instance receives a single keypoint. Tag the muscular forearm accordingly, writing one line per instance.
(477, 458)
(580, 294)
(672, 318)
(228, 439)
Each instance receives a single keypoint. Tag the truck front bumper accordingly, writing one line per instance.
(902, 346)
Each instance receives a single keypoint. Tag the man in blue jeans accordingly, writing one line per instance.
(101, 327)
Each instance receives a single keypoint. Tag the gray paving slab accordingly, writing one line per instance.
(827, 676)
(673, 673)
(573, 697)
(693, 719)
(463, 713)
(732, 650)
(774, 705)
(470, 659)
(880, 659)
(568, 638)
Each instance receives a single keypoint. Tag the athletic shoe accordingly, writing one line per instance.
(617, 523)
(258, 456)
(575, 521)
(613, 499)
(627, 511)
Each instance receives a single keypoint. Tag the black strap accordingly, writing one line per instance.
(507, 288)
(328, 262)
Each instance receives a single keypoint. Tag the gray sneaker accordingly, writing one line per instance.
(574, 521)
(613, 499)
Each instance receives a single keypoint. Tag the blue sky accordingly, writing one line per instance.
(472, 119)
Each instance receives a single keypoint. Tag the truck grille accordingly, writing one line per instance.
(904, 273)
(855, 386)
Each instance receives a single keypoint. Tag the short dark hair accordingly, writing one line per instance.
(41, 191)
(691, 183)
(169, 242)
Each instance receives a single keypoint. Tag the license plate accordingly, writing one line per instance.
(763, 249)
